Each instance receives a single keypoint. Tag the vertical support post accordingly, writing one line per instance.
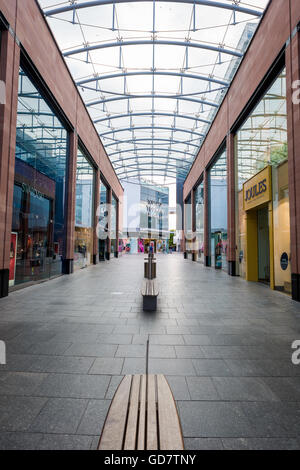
(193, 202)
(70, 204)
(207, 257)
(95, 209)
(231, 226)
(293, 125)
(9, 75)
(117, 230)
(108, 241)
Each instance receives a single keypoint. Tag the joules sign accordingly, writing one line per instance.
(257, 190)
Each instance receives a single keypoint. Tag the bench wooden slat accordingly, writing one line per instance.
(142, 414)
(170, 436)
(142, 417)
(152, 443)
(132, 423)
(114, 426)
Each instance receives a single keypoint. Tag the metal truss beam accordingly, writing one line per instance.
(180, 160)
(170, 142)
(137, 166)
(208, 3)
(173, 115)
(151, 73)
(153, 95)
(156, 171)
(158, 42)
(153, 128)
(132, 150)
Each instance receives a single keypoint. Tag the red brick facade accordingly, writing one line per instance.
(25, 31)
(277, 31)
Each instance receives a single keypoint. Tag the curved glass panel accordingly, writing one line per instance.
(153, 73)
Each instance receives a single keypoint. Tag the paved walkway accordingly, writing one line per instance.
(224, 345)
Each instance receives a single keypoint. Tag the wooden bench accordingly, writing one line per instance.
(142, 416)
(149, 293)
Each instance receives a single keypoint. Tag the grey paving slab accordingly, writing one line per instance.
(171, 366)
(17, 413)
(213, 419)
(211, 367)
(166, 339)
(91, 350)
(243, 389)
(189, 352)
(20, 383)
(94, 417)
(64, 442)
(131, 350)
(162, 351)
(261, 444)
(113, 385)
(134, 365)
(19, 440)
(74, 386)
(59, 416)
(203, 444)
(178, 385)
(222, 343)
(107, 365)
(202, 388)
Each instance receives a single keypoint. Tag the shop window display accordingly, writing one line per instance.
(37, 238)
(261, 143)
(84, 212)
(102, 230)
(199, 208)
(113, 228)
(218, 212)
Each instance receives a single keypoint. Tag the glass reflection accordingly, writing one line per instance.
(37, 239)
(84, 212)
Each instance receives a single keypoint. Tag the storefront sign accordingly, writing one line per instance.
(26, 188)
(284, 261)
(257, 190)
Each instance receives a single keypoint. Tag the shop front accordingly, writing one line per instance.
(265, 245)
(103, 222)
(37, 236)
(83, 250)
(263, 222)
(199, 208)
(218, 212)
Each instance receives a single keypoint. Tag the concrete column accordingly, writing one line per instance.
(207, 257)
(293, 126)
(9, 76)
(108, 242)
(70, 204)
(96, 218)
(231, 230)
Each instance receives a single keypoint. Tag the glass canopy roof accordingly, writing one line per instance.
(153, 73)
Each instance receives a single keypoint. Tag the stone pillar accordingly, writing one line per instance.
(231, 230)
(207, 257)
(70, 204)
(108, 241)
(9, 77)
(96, 218)
(293, 126)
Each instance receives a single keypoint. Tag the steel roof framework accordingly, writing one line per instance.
(146, 108)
